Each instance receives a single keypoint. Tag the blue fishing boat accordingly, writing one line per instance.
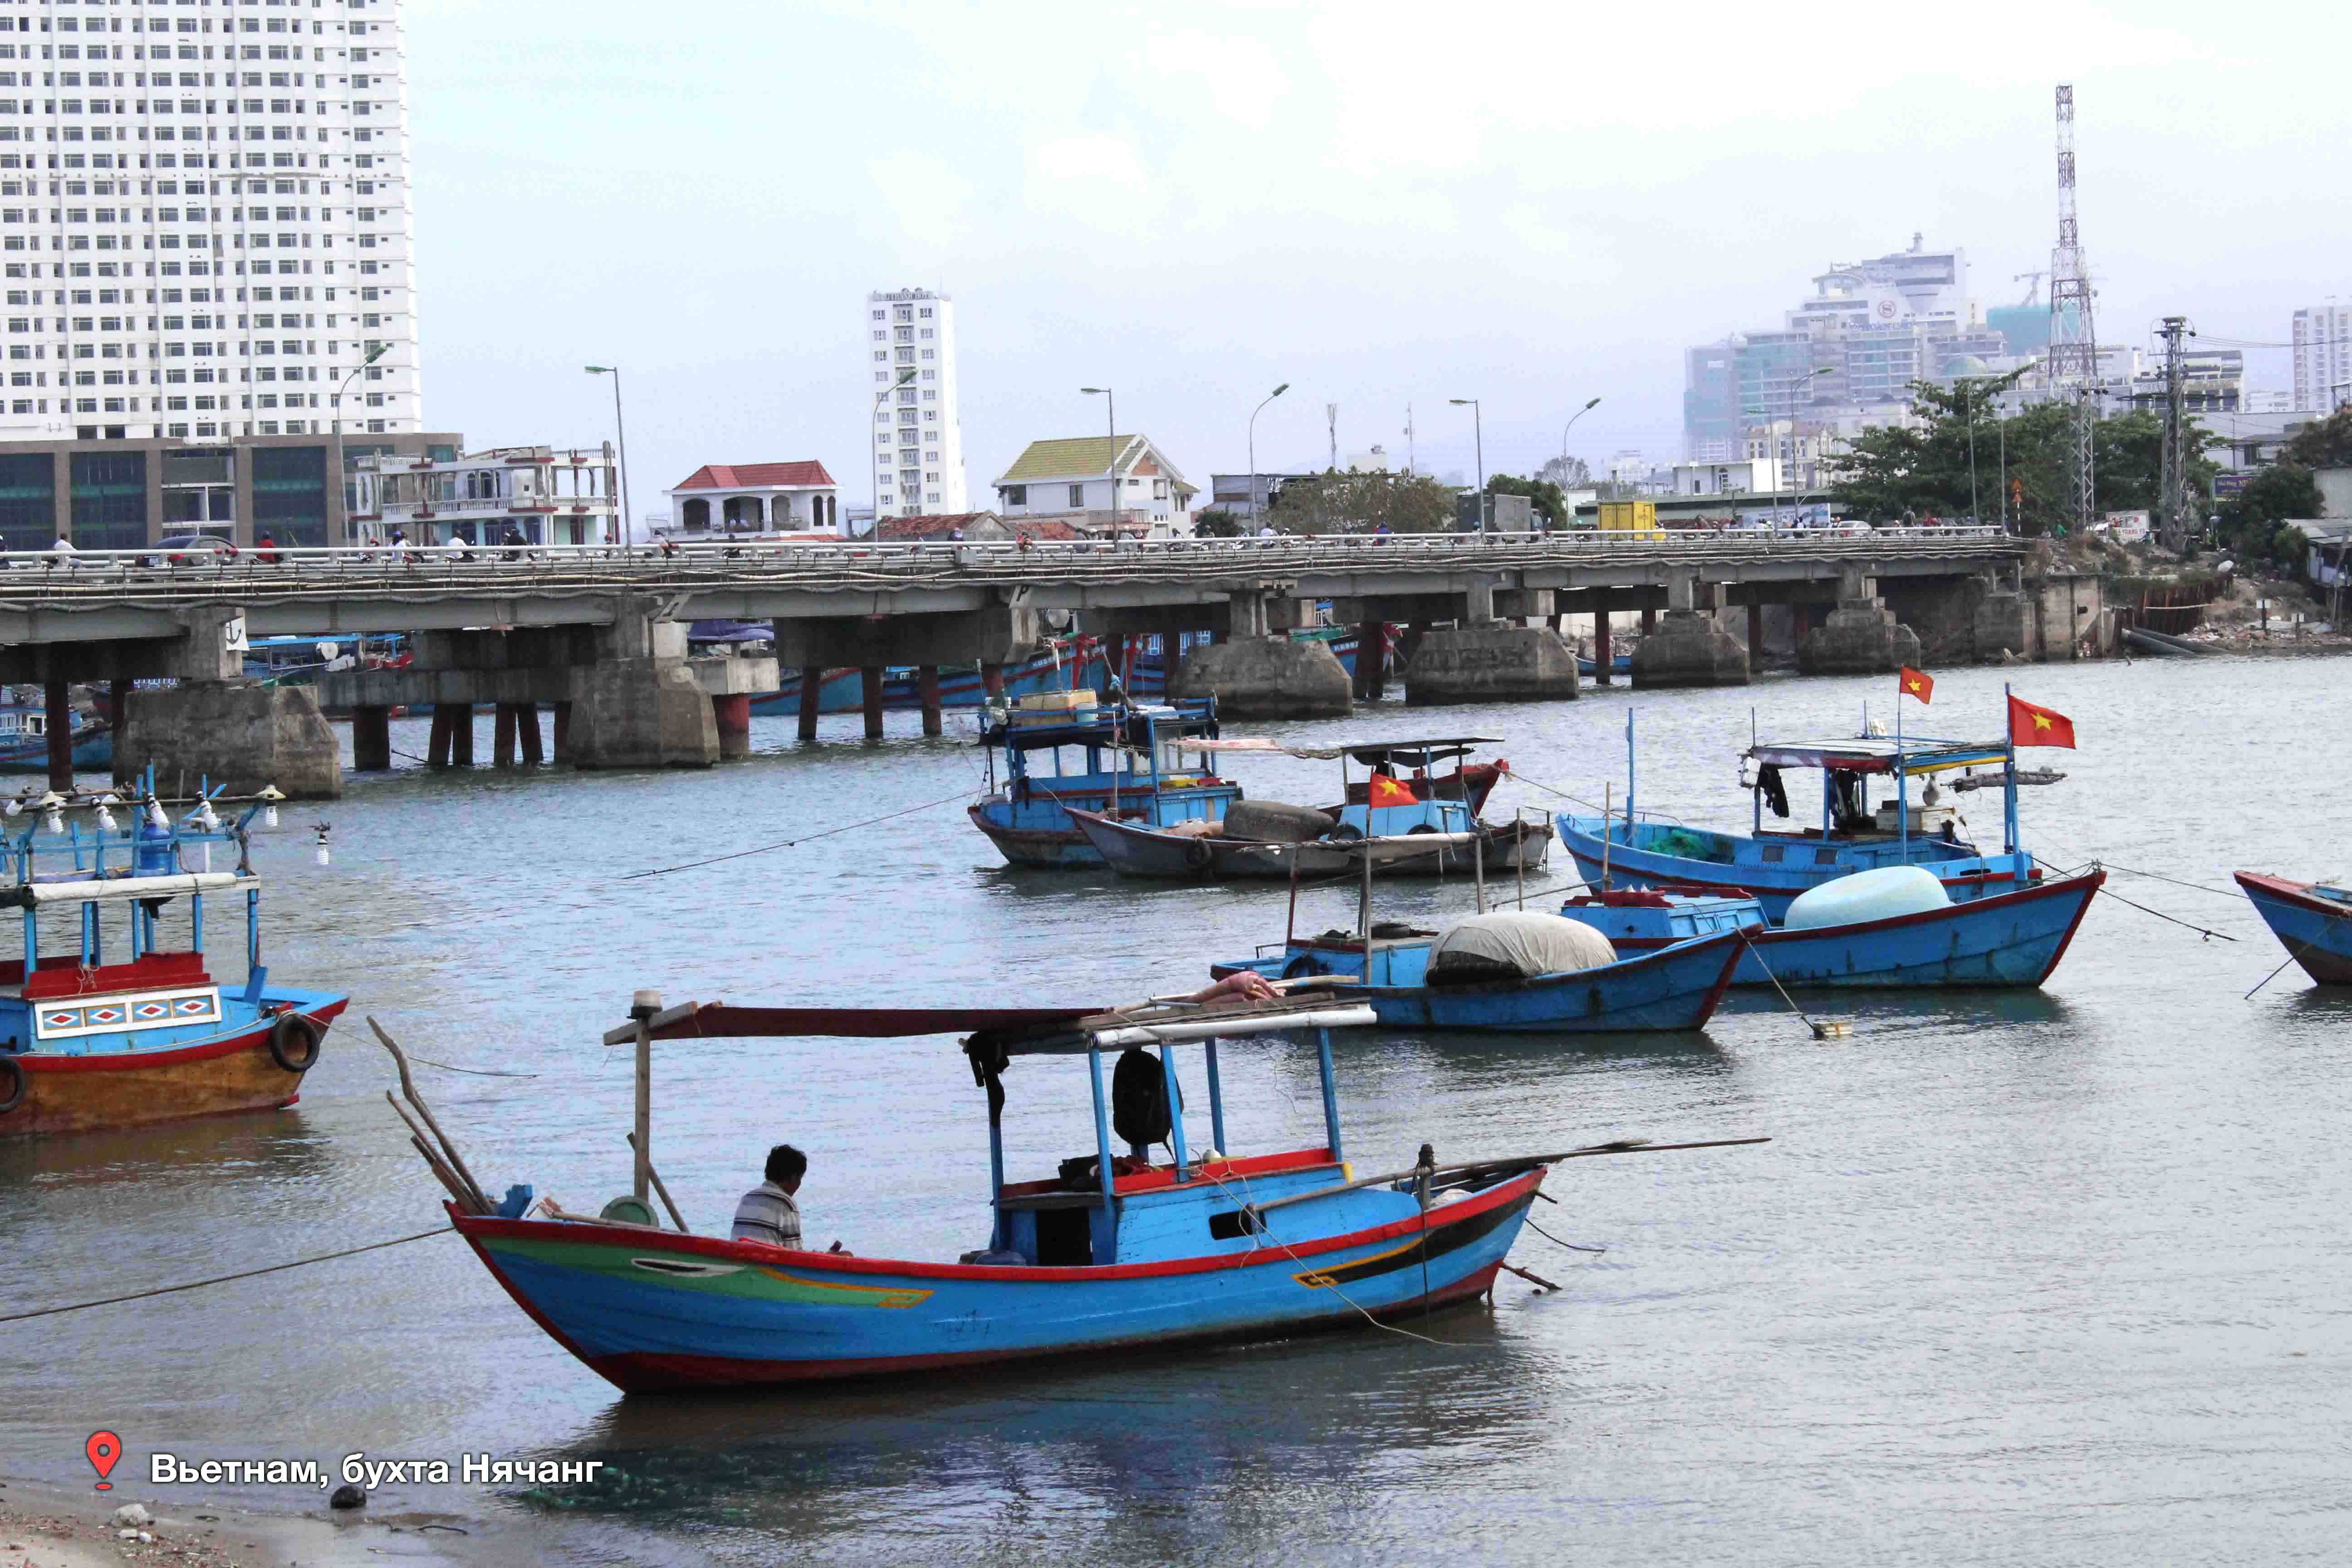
(1125, 759)
(96, 1034)
(1774, 867)
(1114, 1252)
(1620, 666)
(25, 740)
(2012, 939)
(2312, 920)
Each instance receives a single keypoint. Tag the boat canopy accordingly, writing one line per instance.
(1015, 1031)
(1879, 754)
(1103, 725)
(1421, 754)
(121, 889)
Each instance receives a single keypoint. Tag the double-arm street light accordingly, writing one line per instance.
(373, 354)
(621, 437)
(1255, 497)
(1478, 436)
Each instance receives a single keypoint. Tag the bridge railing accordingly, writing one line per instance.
(283, 566)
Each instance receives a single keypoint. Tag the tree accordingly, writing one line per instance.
(1334, 502)
(1550, 503)
(1217, 523)
(1567, 473)
(2325, 444)
(2256, 524)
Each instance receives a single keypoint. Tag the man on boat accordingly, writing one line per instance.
(770, 1211)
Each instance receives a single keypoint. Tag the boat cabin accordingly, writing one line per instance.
(1639, 919)
(1129, 761)
(1402, 792)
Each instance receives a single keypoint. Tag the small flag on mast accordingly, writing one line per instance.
(2030, 724)
(1918, 683)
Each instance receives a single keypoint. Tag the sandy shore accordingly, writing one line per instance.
(43, 1527)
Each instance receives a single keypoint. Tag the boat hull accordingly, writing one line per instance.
(653, 1310)
(93, 750)
(232, 1072)
(1775, 887)
(1675, 988)
(2011, 940)
(1133, 850)
(2315, 930)
(1037, 847)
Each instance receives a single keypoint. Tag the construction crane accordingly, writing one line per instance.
(2033, 281)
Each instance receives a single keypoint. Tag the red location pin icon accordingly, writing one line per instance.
(103, 1448)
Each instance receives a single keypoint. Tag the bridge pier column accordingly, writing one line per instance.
(527, 723)
(238, 735)
(991, 682)
(118, 707)
(1491, 661)
(869, 683)
(812, 699)
(1372, 660)
(1861, 637)
(372, 739)
(461, 733)
(437, 748)
(559, 723)
(1755, 635)
(927, 683)
(1265, 676)
(1604, 658)
(502, 736)
(732, 714)
(1649, 619)
(58, 706)
(1692, 648)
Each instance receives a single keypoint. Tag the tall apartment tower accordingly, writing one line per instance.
(204, 221)
(2323, 357)
(918, 437)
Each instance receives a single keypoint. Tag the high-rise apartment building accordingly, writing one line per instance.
(917, 462)
(2323, 357)
(205, 219)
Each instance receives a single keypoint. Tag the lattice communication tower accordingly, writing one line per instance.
(2073, 342)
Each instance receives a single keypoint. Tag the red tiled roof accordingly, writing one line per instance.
(753, 476)
(934, 525)
(1042, 527)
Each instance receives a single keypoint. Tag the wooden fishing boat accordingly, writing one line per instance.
(1115, 1253)
(1128, 757)
(1773, 867)
(151, 1035)
(1410, 819)
(2000, 939)
(2312, 920)
(25, 740)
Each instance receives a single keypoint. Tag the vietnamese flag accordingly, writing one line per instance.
(1386, 790)
(2032, 725)
(1918, 683)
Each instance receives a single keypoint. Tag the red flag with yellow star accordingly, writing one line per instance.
(1918, 683)
(2033, 725)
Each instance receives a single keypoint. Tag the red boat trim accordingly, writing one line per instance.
(758, 1252)
(126, 1062)
(2296, 894)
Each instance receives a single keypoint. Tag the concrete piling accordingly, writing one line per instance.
(372, 739)
(733, 715)
(811, 695)
(436, 746)
(461, 733)
(1755, 635)
(58, 708)
(926, 680)
(991, 680)
(870, 684)
(502, 736)
(526, 721)
(562, 725)
(1371, 659)
(1604, 658)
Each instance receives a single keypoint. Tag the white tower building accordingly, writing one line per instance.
(205, 219)
(2323, 357)
(917, 462)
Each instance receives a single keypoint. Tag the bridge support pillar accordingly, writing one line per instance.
(502, 736)
(926, 690)
(869, 688)
(1265, 678)
(461, 735)
(527, 723)
(559, 724)
(1755, 634)
(238, 735)
(436, 746)
(1649, 620)
(1372, 660)
(1493, 661)
(731, 715)
(992, 683)
(812, 700)
(372, 739)
(637, 713)
(118, 710)
(1604, 658)
(1690, 649)
(1861, 637)
(57, 707)
(2003, 628)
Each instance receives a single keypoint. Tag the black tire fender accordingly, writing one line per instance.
(1197, 855)
(294, 1041)
(11, 1084)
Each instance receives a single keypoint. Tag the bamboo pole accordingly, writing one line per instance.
(663, 1190)
(408, 1089)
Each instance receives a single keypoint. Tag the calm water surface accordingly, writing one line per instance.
(2051, 1278)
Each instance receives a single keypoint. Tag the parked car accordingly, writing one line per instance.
(198, 550)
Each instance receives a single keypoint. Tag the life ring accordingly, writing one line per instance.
(294, 1041)
(11, 1084)
(1346, 833)
(1197, 855)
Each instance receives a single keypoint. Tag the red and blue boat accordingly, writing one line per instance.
(2312, 919)
(1064, 751)
(1115, 1252)
(1854, 833)
(114, 1016)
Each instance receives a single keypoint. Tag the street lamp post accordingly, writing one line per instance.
(1478, 438)
(905, 378)
(1110, 412)
(373, 354)
(621, 435)
(1270, 396)
(1564, 429)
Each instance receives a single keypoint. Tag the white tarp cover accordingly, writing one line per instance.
(1530, 941)
(1878, 895)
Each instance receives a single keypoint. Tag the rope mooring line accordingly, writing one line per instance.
(224, 1279)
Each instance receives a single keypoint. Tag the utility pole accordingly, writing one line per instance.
(1410, 467)
(2073, 342)
(1331, 420)
(2174, 523)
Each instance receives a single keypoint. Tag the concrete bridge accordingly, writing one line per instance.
(600, 634)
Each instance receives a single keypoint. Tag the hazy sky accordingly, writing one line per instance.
(1531, 204)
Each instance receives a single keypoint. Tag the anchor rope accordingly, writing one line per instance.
(224, 1279)
(806, 837)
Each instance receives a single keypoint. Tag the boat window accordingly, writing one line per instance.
(1773, 854)
(1234, 1224)
(1825, 857)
